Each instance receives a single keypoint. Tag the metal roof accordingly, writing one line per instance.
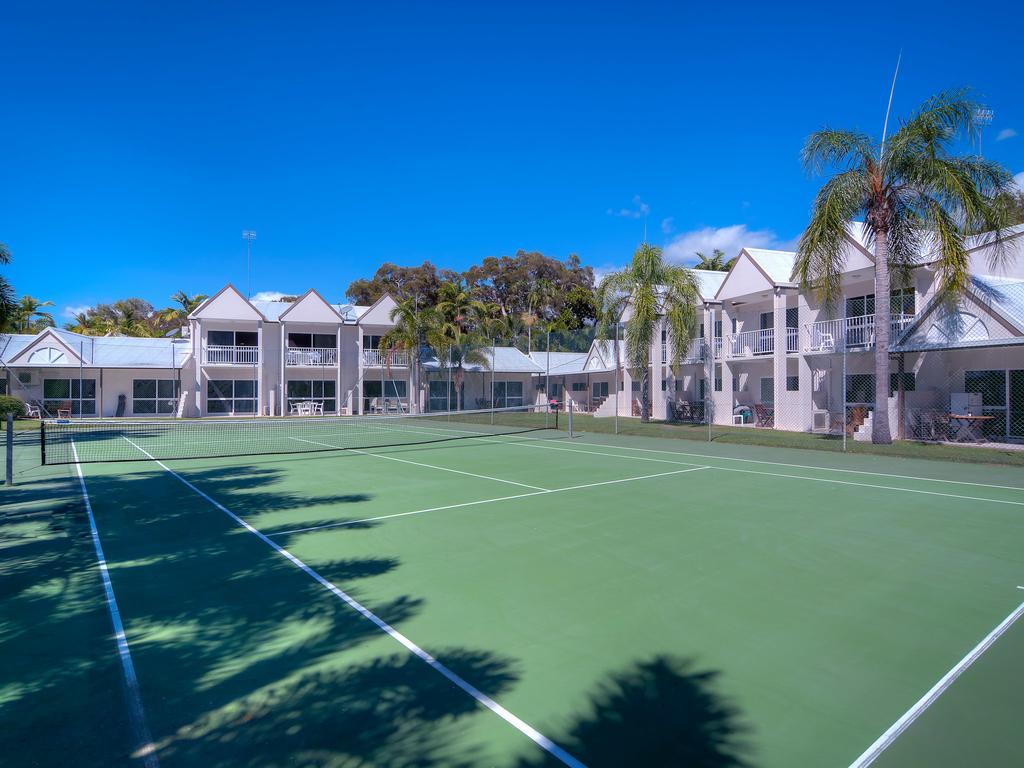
(561, 362)
(505, 360)
(105, 351)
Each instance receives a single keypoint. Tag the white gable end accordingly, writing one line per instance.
(380, 312)
(227, 304)
(47, 349)
(311, 308)
(744, 279)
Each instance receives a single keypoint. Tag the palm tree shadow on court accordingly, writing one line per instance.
(659, 712)
(242, 658)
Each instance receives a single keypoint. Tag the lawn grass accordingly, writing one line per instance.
(976, 454)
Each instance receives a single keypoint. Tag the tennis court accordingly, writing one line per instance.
(512, 597)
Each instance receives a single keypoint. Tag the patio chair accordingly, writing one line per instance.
(33, 411)
(374, 406)
(765, 416)
(64, 411)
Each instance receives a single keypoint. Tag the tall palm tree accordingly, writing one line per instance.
(173, 316)
(538, 299)
(31, 315)
(456, 349)
(716, 262)
(8, 304)
(456, 305)
(649, 288)
(916, 196)
(408, 333)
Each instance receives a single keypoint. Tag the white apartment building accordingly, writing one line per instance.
(764, 354)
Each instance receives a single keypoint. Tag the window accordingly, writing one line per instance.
(231, 396)
(232, 338)
(635, 386)
(701, 389)
(718, 329)
(792, 383)
(313, 390)
(909, 382)
(385, 392)
(860, 388)
(371, 342)
(768, 390)
(767, 320)
(578, 386)
(735, 383)
(793, 317)
(79, 394)
(664, 385)
(859, 306)
(48, 355)
(991, 385)
(314, 340)
(599, 389)
(441, 398)
(718, 383)
(733, 320)
(508, 394)
(154, 396)
(902, 302)
(3, 386)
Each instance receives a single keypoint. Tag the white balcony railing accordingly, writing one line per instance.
(694, 352)
(226, 354)
(759, 342)
(310, 356)
(374, 358)
(849, 332)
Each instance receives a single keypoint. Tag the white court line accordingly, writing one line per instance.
(343, 523)
(936, 690)
(483, 699)
(144, 747)
(758, 472)
(419, 464)
(522, 437)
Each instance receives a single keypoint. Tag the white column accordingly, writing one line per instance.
(806, 395)
(711, 397)
(259, 368)
(281, 387)
(337, 369)
(779, 357)
(198, 342)
(358, 408)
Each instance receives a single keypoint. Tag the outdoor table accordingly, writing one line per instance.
(969, 427)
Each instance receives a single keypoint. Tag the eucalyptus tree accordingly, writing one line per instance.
(648, 291)
(917, 197)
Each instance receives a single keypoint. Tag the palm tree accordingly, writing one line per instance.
(408, 333)
(173, 316)
(538, 300)
(915, 196)
(716, 262)
(649, 288)
(456, 305)
(456, 349)
(8, 304)
(30, 315)
(90, 324)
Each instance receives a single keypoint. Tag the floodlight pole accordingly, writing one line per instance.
(615, 351)
(982, 117)
(248, 235)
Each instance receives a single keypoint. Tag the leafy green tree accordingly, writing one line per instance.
(916, 196)
(648, 290)
(171, 317)
(400, 283)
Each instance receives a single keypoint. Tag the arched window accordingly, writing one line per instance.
(45, 355)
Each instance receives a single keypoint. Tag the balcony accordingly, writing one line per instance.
(758, 343)
(694, 352)
(374, 358)
(224, 354)
(310, 357)
(828, 336)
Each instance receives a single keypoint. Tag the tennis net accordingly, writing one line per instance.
(69, 442)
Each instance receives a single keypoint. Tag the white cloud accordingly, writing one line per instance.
(639, 209)
(666, 225)
(269, 296)
(729, 239)
(1006, 133)
(1019, 181)
(71, 310)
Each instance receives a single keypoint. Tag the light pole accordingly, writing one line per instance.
(248, 235)
(982, 117)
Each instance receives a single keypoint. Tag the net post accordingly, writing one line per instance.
(570, 418)
(9, 470)
(42, 441)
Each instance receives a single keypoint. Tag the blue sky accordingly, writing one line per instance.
(138, 140)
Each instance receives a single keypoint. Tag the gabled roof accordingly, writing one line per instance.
(991, 313)
(561, 363)
(504, 360)
(312, 307)
(708, 282)
(777, 265)
(97, 351)
(757, 270)
(378, 313)
(228, 304)
(601, 357)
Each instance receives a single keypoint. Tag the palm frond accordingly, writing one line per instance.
(829, 147)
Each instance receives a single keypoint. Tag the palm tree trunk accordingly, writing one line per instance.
(880, 431)
(645, 396)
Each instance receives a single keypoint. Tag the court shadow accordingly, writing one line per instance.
(659, 712)
(242, 658)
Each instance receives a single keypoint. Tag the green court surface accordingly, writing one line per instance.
(514, 600)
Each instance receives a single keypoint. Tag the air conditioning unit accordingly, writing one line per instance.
(27, 378)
